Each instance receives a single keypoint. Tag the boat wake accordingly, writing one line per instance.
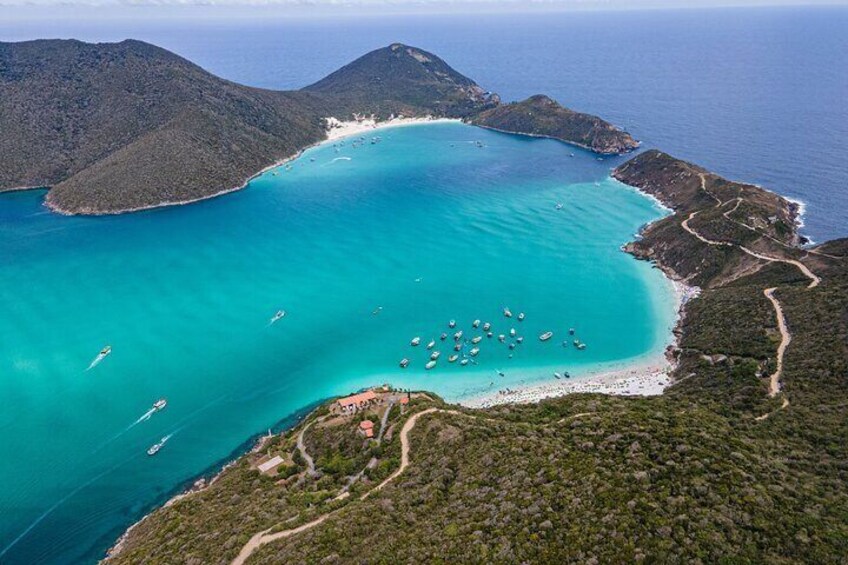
(339, 159)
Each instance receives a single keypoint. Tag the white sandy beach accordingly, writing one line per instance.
(337, 129)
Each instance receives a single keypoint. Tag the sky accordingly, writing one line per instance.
(329, 6)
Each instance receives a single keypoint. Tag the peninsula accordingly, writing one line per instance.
(118, 127)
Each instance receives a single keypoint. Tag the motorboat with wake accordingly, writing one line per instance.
(100, 356)
(278, 316)
(154, 449)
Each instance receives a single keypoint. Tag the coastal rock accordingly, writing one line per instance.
(541, 116)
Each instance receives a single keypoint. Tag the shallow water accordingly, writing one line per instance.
(421, 228)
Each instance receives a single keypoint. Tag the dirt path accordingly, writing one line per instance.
(814, 279)
(264, 537)
(302, 448)
(785, 338)
(404, 449)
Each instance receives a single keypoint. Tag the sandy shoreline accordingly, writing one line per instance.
(649, 379)
(337, 129)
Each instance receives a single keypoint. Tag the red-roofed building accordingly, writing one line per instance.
(354, 402)
(404, 401)
(367, 427)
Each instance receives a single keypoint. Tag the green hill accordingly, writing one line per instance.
(116, 127)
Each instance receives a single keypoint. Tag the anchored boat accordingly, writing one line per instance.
(546, 336)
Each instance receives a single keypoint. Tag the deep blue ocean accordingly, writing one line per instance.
(368, 247)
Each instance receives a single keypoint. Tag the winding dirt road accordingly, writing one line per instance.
(263, 537)
(785, 338)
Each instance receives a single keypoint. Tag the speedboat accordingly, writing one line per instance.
(489, 334)
(576, 342)
(432, 344)
(475, 323)
(507, 313)
(521, 316)
(280, 314)
(519, 339)
(571, 331)
(512, 346)
(154, 449)
(404, 363)
(443, 337)
(100, 356)
(487, 326)
(430, 365)
(453, 358)
(464, 362)
(160, 404)
(434, 355)
(415, 341)
(558, 206)
(501, 338)
(557, 375)
(457, 347)
(452, 324)
(582, 346)
(546, 336)
(474, 351)
(457, 336)
(512, 332)
(476, 339)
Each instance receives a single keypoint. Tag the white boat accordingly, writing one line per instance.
(582, 346)
(521, 316)
(557, 375)
(507, 313)
(474, 351)
(512, 332)
(457, 347)
(443, 337)
(159, 404)
(489, 334)
(571, 331)
(154, 449)
(100, 356)
(279, 315)
(487, 326)
(457, 336)
(453, 358)
(432, 344)
(464, 362)
(512, 346)
(476, 339)
(501, 338)
(519, 339)
(434, 355)
(415, 341)
(452, 324)
(430, 365)
(546, 336)
(475, 323)
(404, 363)
(558, 206)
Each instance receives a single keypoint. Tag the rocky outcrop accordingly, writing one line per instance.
(543, 117)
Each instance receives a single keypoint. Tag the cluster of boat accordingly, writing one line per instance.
(466, 348)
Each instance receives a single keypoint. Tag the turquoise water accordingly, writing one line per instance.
(423, 227)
